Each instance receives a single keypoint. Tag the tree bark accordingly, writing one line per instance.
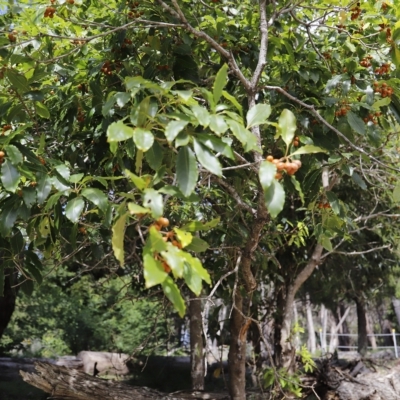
(324, 321)
(342, 327)
(7, 302)
(362, 327)
(197, 371)
(370, 331)
(64, 383)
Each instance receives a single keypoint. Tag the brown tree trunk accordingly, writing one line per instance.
(7, 302)
(237, 350)
(196, 344)
(362, 327)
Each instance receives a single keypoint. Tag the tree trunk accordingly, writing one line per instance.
(196, 344)
(370, 331)
(7, 302)
(362, 327)
(324, 321)
(237, 350)
(312, 346)
(64, 383)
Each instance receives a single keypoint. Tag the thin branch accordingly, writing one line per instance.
(358, 253)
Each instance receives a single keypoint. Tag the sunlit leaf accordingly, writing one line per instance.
(117, 242)
(287, 126)
(74, 208)
(174, 296)
(220, 82)
(258, 115)
(274, 198)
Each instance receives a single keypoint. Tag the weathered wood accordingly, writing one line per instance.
(64, 383)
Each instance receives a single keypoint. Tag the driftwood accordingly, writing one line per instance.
(63, 383)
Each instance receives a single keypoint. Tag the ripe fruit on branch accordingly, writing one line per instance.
(166, 267)
(164, 222)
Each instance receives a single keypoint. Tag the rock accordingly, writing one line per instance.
(107, 363)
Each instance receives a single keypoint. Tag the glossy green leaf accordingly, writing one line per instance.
(184, 237)
(333, 201)
(117, 241)
(266, 174)
(29, 196)
(274, 198)
(197, 245)
(198, 268)
(192, 279)
(153, 200)
(245, 137)
(42, 110)
(118, 132)
(218, 124)
(139, 182)
(202, 115)
(8, 216)
(19, 81)
(154, 273)
(63, 170)
(136, 209)
(10, 176)
(233, 100)
(174, 296)
(43, 188)
(356, 123)
(207, 159)
(143, 139)
(13, 154)
(308, 149)
(195, 226)
(220, 82)
(173, 129)
(186, 170)
(359, 181)
(258, 115)
(97, 197)
(326, 243)
(287, 126)
(74, 208)
(156, 241)
(174, 257)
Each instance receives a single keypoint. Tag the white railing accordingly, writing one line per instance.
(392, 335)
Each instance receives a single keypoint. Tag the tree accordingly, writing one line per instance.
(222, 117)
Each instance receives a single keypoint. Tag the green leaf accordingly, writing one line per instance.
(287, 126)
(308, 149)
(195, 263)
(233, 100)
(9, 176)
(220, 82)
(218, 124)
(202, 115)
(197, 245)
(136, 209)
(19, 81)
(258, 115)
(43, 188)
(154, 273)
(359, 181)
(326, 243)
(173, 128)
(333, 201)
(97, 197)
(74, 209)
(139, 182)
(192, 279)
(245, 137)
(174, 257)
(174, 296)
(14, 154)
(207, 159)
(356, 123)
(195, 226)
(274, 198)
(118, 131)
(156, 241)
(7, 220)
(186, 170)
(297, 186)
(42, 110)
(143, 139)
(118, 235)
(29, 196)
(75, 178)
(63, 170)
(184, 237)
(266, 174)
(154, 201)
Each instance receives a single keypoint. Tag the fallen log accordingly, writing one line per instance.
(63, 383)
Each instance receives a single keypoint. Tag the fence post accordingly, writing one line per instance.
(395, 343)
(320, 339)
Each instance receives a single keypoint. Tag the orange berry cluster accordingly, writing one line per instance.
(356, 11)
(163, 67)
(42, 160)
(11, 37)
(384, 69)
(324, 205)
(133, 13)
(372, 117)
(49, 12)
(342, 111)
(384, 6)
(383, 89)
(5, 129)
(2, 155)
(296, 141)
(366, 61)
(290, 167)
